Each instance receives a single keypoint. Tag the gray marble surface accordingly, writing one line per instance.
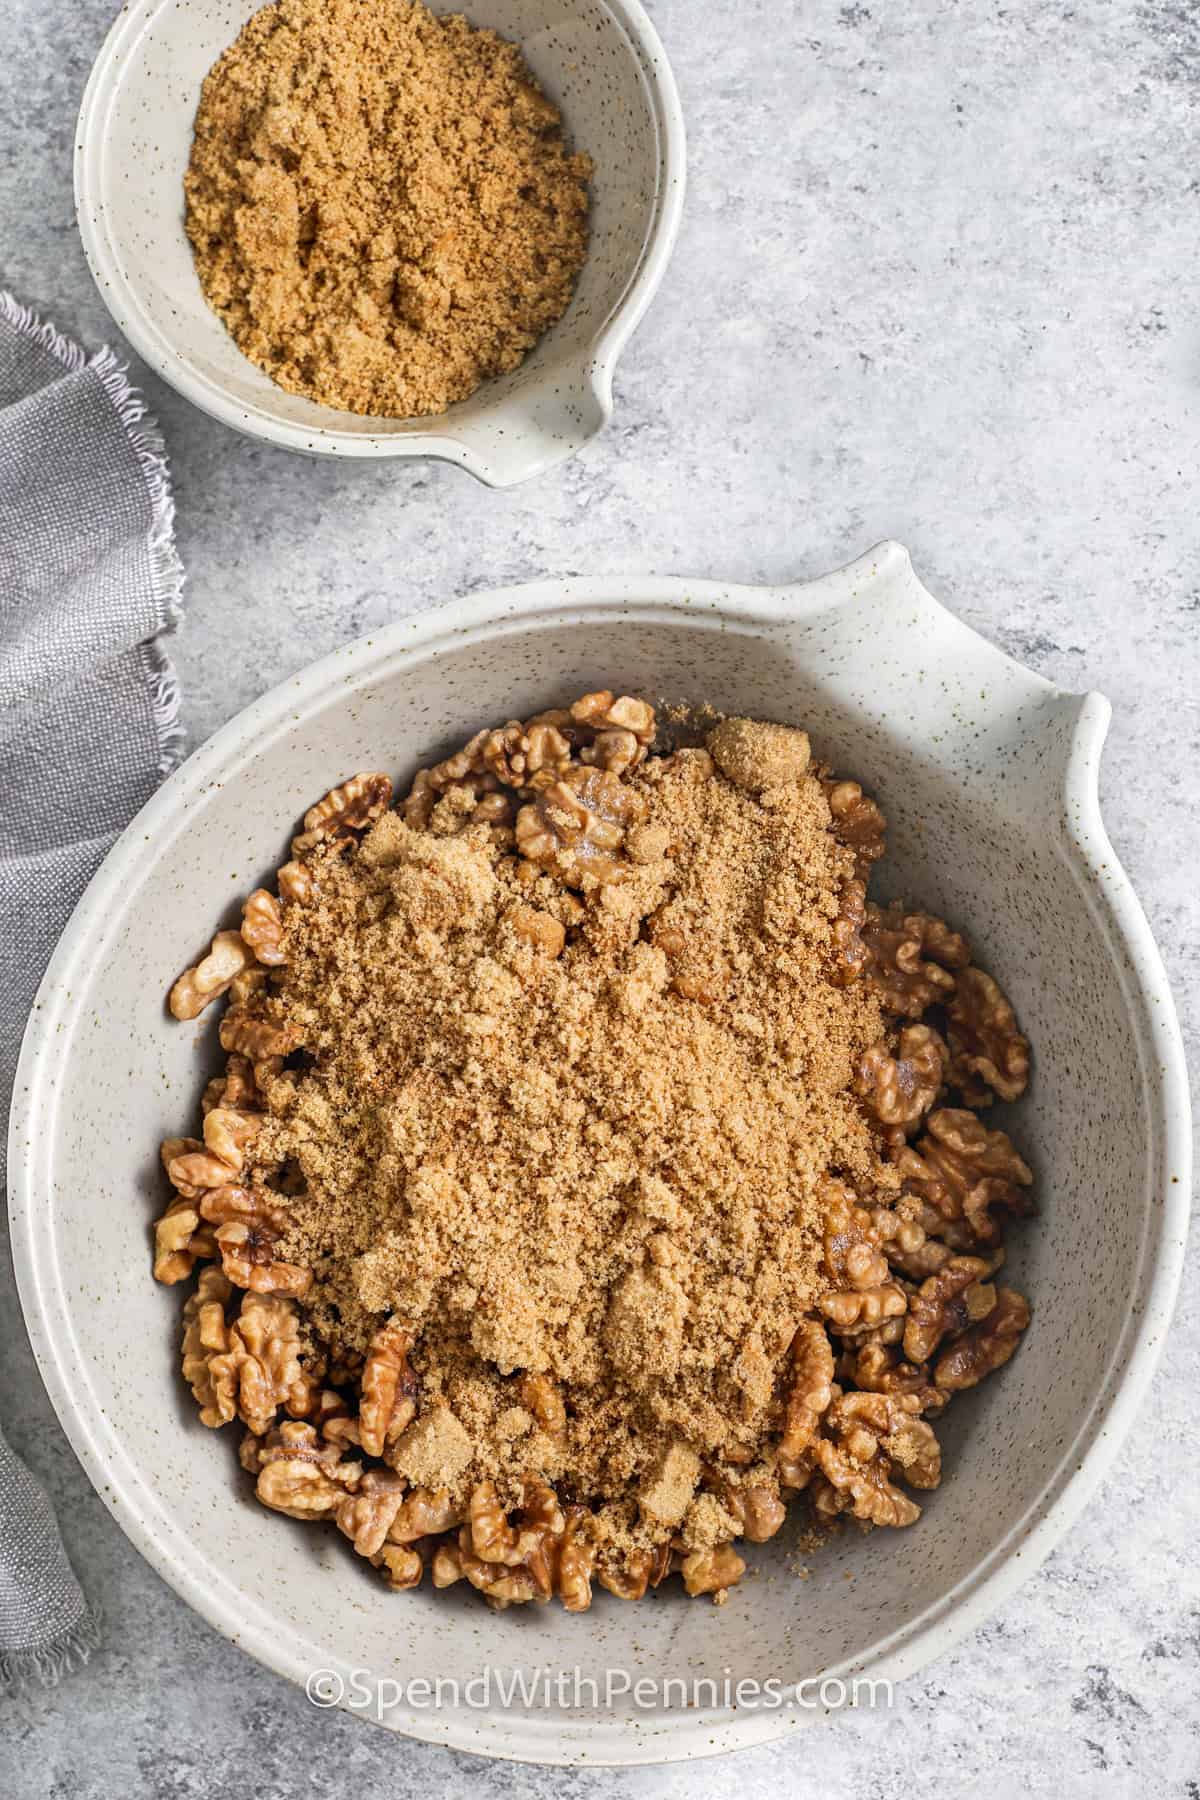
(937, 280)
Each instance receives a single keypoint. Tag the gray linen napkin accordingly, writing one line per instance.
(88, 727)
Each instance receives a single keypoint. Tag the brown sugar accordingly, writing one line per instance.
(381, 204)
(597, 1159)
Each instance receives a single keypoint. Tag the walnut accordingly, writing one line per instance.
(576, 825)
(205, 1336)
(333, 1416)
(629, 1578)
(573, 1560)
(172, 1151)
(901, 1089)
(861, 1293)
(855, 1468)
(541, 929)
(299, 1475)
(986, 1346)
(465, 788)
(559, 717)
(464, 762)
(912, 956)
(262, 927)
(248, 1030)
(915, 1451)
(516, 752)
(859, 1421)
(296, 883)
(227, 1131)
(712, 1571)
(963, 1170)
(857, 823)
(757, 1508)
(450, 811)
(540, 1395)
(264, 1358)
(905, 1241)
(402, 1567)
(248, 1368)
(624, 730)
(850, 954)
(547, 744)
(946, 1303)
(501, 1585)
(988, 1054)
(851, 1257)
(251, 982)
(389, 1389)
(889, 1331)
(809, 1392)
(228, 956)
(548, 1552)
(854, 1311)
(310, 1400)
(250, 1450)
(425, 1513)
(616, 751)
(351, 807)
(255, 1206)
(247, 1243)
(496, 1541)
(447, 1567)
(943, 1237)
(180, 1241)
(241, 1083)
(214, 1093)
(542, 1566)
(881, 1369)
(504, 751)
(418, 804)
(496, 810)
(367, 1514)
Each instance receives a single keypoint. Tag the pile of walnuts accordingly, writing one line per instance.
(911, 1312)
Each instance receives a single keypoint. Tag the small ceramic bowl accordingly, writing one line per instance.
(988, 777)
(600, 60)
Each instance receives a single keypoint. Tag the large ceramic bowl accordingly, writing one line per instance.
(600, 60)
(988, 776)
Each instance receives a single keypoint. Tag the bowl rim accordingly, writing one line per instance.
(1083, 1460)
(597, 360)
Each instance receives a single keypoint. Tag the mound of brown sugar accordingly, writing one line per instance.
(589, 1149)
(380, 202)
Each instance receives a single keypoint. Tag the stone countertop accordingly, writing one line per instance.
(938, 281)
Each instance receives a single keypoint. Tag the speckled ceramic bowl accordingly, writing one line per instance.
(988, 777)
(600, 60)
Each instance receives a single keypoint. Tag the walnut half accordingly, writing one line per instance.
(901, 1089)
(987, 1346)
(913, 956)
(988, 1054)
(576, 825)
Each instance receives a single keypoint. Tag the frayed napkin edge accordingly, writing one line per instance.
(48, 1664)
(21, 1670)
(166, 569)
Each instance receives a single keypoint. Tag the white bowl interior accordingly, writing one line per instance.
(590, 63)
(971, 770)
